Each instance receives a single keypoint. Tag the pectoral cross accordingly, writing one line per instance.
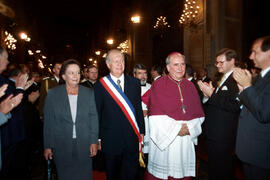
(183, 108)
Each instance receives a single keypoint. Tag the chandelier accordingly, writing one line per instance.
(190, 12)
(123, 46)
(10, 41)
(161, 23)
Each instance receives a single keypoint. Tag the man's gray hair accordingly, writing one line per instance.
(168, 59)
(111, 51)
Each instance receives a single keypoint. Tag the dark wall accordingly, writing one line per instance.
(255, 23)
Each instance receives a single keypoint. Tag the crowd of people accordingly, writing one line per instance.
(120, 122)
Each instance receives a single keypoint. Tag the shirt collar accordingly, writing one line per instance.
(93, 82)
(57, 79)
(115, 78)
(13, 80)
(203, 78)
(265, 71)
(228, 74)
(157, 77)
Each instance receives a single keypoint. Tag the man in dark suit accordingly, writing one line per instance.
(202, 75)
(91, 77)
(118, 139)
(7, 103)
(156, 72)
(189, 75)
(253, 136)
(13, 132)
(221, 117)
(48, 83)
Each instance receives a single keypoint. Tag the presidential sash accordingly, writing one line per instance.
(123, 102)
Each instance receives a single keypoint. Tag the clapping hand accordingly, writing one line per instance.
(10, 102)
(3, 89)
(206, 88)
(33, 96)
(21, 82)
(243, 78)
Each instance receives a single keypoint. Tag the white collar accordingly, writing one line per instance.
(121, 78)
(190, 78)
(93, 82)
(227, 74)
(203, 78)
(265, 71)
(57, 79)
(157, 77)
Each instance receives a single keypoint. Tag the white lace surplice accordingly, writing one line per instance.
(170, 154)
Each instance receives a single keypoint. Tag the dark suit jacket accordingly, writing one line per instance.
(253, 136)
(116, 132)
(58, 124)
(13, 131)
(32, 123)
(88, 84)
(43, 92)
(206, 79)
(222, 112)
(197, 88)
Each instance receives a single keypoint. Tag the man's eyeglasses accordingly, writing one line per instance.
(219, 62)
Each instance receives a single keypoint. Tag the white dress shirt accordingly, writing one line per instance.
(265, 71)
(56, 78)
(73, 108)
(121, 78)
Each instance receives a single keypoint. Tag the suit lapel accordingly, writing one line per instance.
(79, 104)
(261, 83)
(126, 86)
(66, 102)
(225, 83)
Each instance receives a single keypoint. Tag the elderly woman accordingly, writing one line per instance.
(71, 125)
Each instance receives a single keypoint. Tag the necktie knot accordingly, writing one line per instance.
(119, 84)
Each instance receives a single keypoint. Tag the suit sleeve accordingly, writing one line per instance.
(94, 126)
(42, 97)
(138, 109)
(99, 102)
(257, 103)
(4, 118)
(49, 120)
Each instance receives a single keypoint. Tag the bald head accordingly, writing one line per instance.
(174, 55)
(176, 65)
(113, 52)
(115, 62)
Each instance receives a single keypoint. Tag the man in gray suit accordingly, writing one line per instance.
(253, 136)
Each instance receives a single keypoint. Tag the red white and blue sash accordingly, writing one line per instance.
(123, 102)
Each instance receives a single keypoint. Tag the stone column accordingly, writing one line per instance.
(220, 27)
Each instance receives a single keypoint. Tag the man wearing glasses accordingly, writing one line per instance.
(221, 117)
